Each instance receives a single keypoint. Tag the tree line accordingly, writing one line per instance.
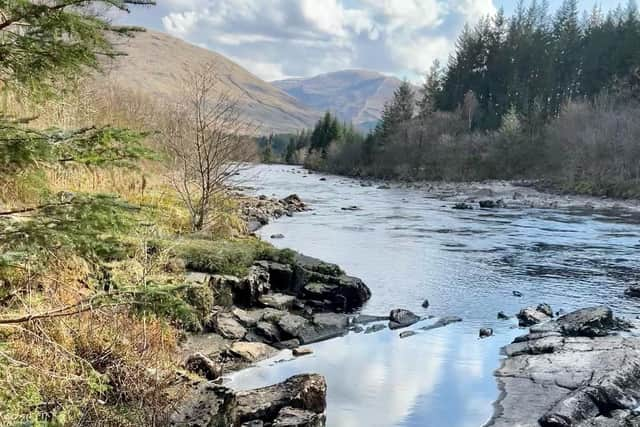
(536, 95)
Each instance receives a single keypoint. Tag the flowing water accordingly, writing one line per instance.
(408, 246)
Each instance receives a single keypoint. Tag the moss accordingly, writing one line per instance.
(228, 256)
(201, 299)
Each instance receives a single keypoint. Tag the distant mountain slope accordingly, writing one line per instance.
(156, 62)
(356, 96)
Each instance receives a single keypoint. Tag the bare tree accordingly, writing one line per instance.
(208, 141)
(469, 107)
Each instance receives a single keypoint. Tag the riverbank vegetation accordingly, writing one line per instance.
(539, 95)
(95, 238)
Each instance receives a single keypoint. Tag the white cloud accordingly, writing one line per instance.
(301, 37)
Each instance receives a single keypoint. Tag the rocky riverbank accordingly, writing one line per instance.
(506, 194)
(258, 211)
(279, 304)
(582, 369)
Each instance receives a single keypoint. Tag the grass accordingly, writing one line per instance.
(223, 256)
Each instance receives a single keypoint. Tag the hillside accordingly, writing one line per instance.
(356, 96)
(155, 62)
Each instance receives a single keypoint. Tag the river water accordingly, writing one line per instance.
(408, 246)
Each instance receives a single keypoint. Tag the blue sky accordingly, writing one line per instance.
(276, 39)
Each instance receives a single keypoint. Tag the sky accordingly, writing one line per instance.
(277, 39)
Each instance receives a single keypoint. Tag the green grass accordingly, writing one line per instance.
(224, 256)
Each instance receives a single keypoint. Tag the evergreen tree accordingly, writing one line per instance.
(41, 44)
(290, 155)
(430, 91)
(398, 110)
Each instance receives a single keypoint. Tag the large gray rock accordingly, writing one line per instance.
(291, 417)
(306, 392)
(570, 372)
(400, 318)
(343, 292)
(202, 365)
(280, 275)
(587, 322)
(252, 351)
(269, 331)
(335, 320)
(294, 400)
(251, 287)
(532, 316)
(227, 326)
(247, 318)
(293, 325)
(633, 291)
(277, 301)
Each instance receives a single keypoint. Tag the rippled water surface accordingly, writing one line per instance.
(408, 246)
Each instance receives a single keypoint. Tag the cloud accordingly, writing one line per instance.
(280, 38)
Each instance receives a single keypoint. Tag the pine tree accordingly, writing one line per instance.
(430, 91)
(399, 110)
(42, 44)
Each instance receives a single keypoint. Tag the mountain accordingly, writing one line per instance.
(155, 63)
(356, 96)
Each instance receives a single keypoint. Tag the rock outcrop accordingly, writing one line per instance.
(259, 211)
(573, 371)
(298, 401)
(533, 315)
(401, 318)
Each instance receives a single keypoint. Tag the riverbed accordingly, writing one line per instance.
(408, 245)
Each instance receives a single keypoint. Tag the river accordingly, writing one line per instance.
(409, 246)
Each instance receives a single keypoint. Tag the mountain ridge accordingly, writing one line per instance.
(355, 95)
(154, 63)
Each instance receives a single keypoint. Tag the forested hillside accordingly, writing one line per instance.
(546, 95)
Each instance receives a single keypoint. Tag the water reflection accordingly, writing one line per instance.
(439, 377)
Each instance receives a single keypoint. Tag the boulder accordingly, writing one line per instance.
(277, 236)
(485, 333)
(247, 318)
(294, 400)
(252, 351)
(305, 392)
(531, 316)
(280, 275)
(333, 289)
(336, 320)
(227, 326)
(407, 334)
(316, 333)
(269, 331)
(633, 291)
(291, 417)
(425, 304)
(502, 316)
(251, 287)
(401, 318)
(277, 301)
(292, 324)
(200, 364)
(517, 294)
(546, 309)
(587, 322)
